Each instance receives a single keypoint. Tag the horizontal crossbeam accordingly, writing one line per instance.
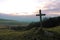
(40, 15)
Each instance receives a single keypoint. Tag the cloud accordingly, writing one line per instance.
(53, 5)
(52, 8)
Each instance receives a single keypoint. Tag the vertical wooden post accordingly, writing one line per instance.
(40, 15)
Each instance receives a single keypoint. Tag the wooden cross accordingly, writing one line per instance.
(40, 15)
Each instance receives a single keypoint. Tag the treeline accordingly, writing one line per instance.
(47, 23)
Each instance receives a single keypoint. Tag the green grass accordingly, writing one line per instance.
(55, 29)
(13, 35)
(25, 35)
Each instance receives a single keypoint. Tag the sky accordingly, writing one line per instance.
(29, 7)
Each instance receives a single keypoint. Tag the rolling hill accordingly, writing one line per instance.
(11, 22)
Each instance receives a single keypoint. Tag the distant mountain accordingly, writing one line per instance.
(31, 18)
(11, 22)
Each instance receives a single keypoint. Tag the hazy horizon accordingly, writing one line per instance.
(28, 18)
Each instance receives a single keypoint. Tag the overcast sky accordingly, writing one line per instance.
(29, 7)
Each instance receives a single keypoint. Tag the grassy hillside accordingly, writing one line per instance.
(31, 34)
(27, 35)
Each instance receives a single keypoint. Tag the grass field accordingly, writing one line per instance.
(24, 35)
(13, 35)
